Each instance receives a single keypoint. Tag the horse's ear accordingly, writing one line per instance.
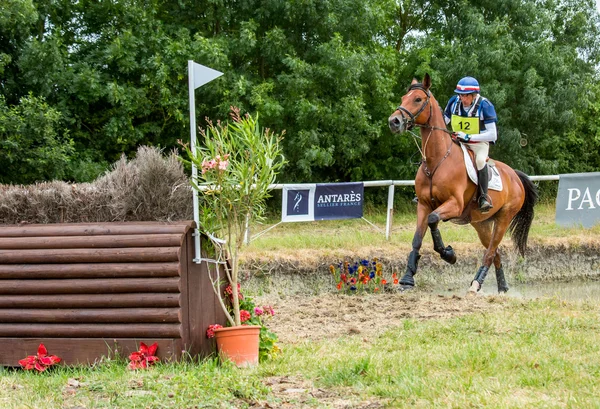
(414, 81)
(427, 82)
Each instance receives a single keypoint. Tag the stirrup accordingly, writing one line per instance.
(484, 205)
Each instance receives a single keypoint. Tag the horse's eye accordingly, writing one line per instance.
(418, 100)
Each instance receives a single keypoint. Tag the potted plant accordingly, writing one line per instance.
(237, 162)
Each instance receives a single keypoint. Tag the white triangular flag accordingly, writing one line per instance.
(203, 74)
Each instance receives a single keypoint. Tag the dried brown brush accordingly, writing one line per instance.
(150, 187)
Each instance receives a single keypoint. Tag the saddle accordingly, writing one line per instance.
(495, 181)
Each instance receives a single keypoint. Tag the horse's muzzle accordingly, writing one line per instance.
(396, 124)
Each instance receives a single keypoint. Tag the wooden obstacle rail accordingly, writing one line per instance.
(88, 291)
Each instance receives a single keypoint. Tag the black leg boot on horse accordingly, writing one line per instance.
(501, 280)
(482, 179)
(477, 282)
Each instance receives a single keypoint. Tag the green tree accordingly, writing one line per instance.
(33, 145)
(329, 72)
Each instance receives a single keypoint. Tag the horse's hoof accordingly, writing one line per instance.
(406, 288)
(407, 280)
(502, 290)
(448, 255)
(475, 287)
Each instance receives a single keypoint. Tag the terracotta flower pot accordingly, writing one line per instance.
(239, 344)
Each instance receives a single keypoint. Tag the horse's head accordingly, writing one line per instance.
(411, 111)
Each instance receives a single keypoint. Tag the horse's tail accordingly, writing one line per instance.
(521, 223)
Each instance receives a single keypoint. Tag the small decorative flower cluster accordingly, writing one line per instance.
(39, 362)
(361, 276)
(143, 358)
(229, 292)
(216, 163)
(210, 332)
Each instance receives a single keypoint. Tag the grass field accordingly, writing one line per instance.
(356, 233)
(535, 354)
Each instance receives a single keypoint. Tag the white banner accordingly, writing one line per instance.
(297, 203)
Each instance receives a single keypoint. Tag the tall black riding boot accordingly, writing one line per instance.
(482, 176)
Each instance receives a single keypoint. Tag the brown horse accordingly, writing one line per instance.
(445, 192)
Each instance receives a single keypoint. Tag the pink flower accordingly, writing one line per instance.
(244, 316)
(210, 332)
(269, 309)
(223, 165)
(208, 164)
(258, 311)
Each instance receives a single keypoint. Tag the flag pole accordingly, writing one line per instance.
(198, 75)
(192, 88)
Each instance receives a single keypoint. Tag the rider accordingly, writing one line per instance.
(473, 120)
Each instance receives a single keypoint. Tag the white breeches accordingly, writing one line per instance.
(481, 151)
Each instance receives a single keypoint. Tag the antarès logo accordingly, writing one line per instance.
(344, 199)
(297, 200)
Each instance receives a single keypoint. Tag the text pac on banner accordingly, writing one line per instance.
(322, 201)
(578, 200)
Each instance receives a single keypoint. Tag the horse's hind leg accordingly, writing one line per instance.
(490, 240)
(500, 279)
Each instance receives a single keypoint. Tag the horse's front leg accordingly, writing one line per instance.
(407, 281)
(446, 211)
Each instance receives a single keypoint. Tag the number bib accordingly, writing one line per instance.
(468, 125)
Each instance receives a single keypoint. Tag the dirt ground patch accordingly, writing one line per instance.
(330, 315)
(307, 308)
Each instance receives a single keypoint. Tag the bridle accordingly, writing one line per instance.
(410, 121)
(409, 118)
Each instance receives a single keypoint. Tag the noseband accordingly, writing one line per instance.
(409, 122)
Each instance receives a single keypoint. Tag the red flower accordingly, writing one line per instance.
(210, 332)
(41, 361)
(244, 316)
(339, 285)
(143, 358)
(229, 292)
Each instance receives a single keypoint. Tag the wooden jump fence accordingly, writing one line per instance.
(93, 290)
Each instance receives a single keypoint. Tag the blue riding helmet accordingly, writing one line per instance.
(467, 85)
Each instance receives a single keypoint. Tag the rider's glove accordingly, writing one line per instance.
(462, 137)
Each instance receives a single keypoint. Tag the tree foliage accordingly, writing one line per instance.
(106, 77)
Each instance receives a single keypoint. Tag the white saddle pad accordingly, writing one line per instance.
(495, 182)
